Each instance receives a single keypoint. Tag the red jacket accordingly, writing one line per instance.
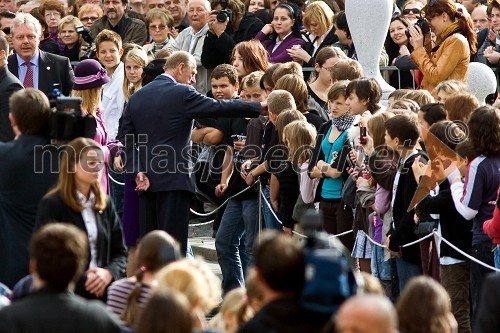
(492, 227)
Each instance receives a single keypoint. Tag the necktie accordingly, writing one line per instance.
(28, 79)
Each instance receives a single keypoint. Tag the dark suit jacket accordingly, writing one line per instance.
(47, 311)
(9, 84)
(54, 72)
(111, 251)
(23, 182)
(159, 118)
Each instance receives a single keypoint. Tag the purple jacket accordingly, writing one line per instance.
(279, 55)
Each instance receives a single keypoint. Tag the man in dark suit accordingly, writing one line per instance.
(9, 84)
(33, 67)
(58, 254)
(158, 120)
(25, 176)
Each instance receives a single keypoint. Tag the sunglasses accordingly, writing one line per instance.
(411, 10)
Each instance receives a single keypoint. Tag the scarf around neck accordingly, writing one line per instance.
(343, 122)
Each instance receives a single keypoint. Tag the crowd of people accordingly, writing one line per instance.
(260, 108)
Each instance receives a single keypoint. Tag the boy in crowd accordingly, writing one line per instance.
(109, 50)
(401, 135)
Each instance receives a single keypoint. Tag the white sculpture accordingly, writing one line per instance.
(481, 81)
(368, 22)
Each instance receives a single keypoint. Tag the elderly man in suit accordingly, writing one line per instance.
(158, 120)
(9, 84)
(33, 67)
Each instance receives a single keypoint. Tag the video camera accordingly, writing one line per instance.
(224, 14)
(65, 119)
(330, 276)
(87, 37)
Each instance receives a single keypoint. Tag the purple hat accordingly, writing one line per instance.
(89, 74)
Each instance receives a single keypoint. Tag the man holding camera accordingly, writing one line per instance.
(33, 67)
(228, 25)
(30, 171)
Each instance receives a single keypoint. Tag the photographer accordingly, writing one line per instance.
(71, 39)
(448, 58)
(228, 25)
(28, 170)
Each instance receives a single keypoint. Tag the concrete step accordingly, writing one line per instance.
(204, 247)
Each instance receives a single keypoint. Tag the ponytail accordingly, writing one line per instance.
(467, 27)
(131, 313)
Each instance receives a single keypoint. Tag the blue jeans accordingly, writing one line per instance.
(380, 269)
(406, 271)
(239, 224)
(496, 254)
(270, 222)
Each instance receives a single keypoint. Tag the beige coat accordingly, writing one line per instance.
(449, 62)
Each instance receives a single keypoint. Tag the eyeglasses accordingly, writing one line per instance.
(89, 18)
(160, 27)
(56, 15)
(411, 10)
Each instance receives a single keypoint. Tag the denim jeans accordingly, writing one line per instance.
(496, 254)
(380, 269)
(270, 222)
(406, 271)
(239, 224)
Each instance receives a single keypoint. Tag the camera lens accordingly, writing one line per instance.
(222, 16)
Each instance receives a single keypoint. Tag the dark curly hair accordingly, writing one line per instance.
(484, 130)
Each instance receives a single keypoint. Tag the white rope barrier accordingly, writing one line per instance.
(374, 242)
(465, 254)
(224, 203)
(115, 181)
(418, 240)
(201, 224)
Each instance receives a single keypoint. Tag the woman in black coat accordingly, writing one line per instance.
(78, 199)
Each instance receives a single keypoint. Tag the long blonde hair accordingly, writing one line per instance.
(91, 99)
(138, 55)
(300, 138)
(66, 183)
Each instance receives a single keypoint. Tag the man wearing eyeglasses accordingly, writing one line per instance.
(131, 30)
(33, 67)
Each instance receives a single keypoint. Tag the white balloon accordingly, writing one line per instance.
(481, 81)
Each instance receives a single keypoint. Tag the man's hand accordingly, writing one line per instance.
(220, 190)
(216, 27)
(492, 55)
(98, 280)
(142, 182)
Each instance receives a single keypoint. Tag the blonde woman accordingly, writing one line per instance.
(134, 62)
(71, 39)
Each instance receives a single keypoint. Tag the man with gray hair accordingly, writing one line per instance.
(157, 121)
(366, 314)
(192, 38)
(33, 67)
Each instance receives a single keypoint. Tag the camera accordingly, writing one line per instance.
(87, 37)
(65, 119)
(224, 14)
(423, 25)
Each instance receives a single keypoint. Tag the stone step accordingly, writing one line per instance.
(204, 247)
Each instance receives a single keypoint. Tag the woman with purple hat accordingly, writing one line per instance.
(90, 76)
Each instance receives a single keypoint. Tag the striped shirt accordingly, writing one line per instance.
(118, 293)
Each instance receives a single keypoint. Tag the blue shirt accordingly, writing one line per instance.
(332, 187)
(21, 68)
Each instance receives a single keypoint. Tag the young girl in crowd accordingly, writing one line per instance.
(248, 57)
(134, 62)
(337, 216)
(127, 297)
(321, 79)
(363, 96)
(234, 312)
(447, 89)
